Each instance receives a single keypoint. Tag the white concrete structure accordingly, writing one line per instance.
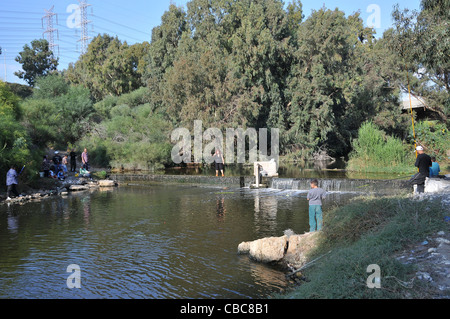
(264, 169)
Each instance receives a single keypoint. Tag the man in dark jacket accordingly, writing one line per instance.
(57, 160)
(423, 163)
(73, 161)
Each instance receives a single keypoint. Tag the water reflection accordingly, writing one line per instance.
(12, 221)
(86, 211)
(308, 169)
(220, 208)
(146, 242)
(265, 214)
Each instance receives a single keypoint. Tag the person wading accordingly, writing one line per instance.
(219, 162)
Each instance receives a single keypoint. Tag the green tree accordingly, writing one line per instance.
(133, 138)
(421, 41)
(295, 15)
(224, 62)
(40, 118)
(37, 60)
(164, 43)
(109, 67)
(49, 87)
(338, 81)
(162, 50)
(14, 141)
(9, 102)
(22, 91)
(58, 113)
(322, 83)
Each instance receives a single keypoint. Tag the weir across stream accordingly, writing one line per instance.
(331, 185)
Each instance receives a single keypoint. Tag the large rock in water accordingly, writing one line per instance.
(106, 183)
(265, 250)
(299, 248)
(292, 250)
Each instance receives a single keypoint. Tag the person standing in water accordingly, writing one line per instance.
(315, 196)
(219, 162)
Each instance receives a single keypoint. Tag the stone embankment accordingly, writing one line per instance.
(65, 188)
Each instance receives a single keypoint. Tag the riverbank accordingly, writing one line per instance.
(407, 237)
(48, 187)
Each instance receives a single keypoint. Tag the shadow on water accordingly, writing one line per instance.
(152, 241)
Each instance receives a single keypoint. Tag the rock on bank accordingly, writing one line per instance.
(291, 250)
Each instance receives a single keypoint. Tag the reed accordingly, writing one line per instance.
(373, 151)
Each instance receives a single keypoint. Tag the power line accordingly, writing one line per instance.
(136, 16)
(21, 12)
(118, 33)
(122, 25)
(22, 22)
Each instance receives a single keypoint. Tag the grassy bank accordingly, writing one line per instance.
(370, 231)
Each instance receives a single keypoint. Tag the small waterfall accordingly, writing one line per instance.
(282, 183)
(302, 184)
(343, 185)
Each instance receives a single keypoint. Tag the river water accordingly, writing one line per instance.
(148, 241)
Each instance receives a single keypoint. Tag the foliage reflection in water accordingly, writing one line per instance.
(151, 241)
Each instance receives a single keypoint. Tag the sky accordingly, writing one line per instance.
(132, 21)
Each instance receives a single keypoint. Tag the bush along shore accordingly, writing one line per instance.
(406, 237)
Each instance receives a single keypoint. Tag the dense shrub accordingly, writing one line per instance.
(434, 136)
(376, 152)
(14, 140)
(133, 138)
(58, 113)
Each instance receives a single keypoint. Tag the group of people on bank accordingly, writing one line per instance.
(57, 168)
